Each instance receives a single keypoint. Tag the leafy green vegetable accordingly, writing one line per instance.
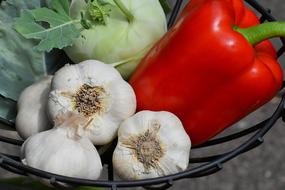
(112, 31)
(99, 11)
(7, 112)
(20, 65)
(61, 6)
(61, 31)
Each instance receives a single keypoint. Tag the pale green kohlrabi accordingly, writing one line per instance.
(128, 32)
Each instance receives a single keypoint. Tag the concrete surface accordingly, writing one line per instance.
(260, 169)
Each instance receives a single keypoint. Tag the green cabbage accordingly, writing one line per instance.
(20, 64)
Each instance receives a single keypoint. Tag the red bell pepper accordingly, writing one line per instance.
(212, 68)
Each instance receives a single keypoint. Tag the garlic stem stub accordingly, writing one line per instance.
(32, 117)
(151, 144)
(63, 150)
(96, 91)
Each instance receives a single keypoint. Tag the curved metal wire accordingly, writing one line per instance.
(174, 13)
(266, 15)
(11, 141)
(205, 169)
(208, 165)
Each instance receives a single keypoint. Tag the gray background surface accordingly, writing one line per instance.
(260, 169)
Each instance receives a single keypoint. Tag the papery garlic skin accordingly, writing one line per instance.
(63, 151)
(170, 157)
(32, 117)
(116, 101)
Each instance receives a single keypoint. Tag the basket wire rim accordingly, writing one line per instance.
(213, 165)
(251, 143)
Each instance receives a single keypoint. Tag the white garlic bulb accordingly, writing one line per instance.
(32, 117)
(151, 144)
(98, 92)
(62, 150)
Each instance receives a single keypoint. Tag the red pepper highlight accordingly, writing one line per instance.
(212, 68)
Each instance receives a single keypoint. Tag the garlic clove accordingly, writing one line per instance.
(104, 128)
(32, 117)
(99, 94)
(98, 71)
(151, 144)
(60, 152)
(67, 78)
(58, 103)
(71, 77)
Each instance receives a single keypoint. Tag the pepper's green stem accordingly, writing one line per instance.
(124, 10)
(261, 32)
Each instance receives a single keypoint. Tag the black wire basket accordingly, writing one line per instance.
(204, 166)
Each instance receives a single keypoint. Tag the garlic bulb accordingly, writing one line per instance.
(62, 150)
(96, 91)
(151, 144)
(32, 117)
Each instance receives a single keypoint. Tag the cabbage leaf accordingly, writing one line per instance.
(20, 65)
(61, 31)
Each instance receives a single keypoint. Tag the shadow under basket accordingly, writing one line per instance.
(202, 166)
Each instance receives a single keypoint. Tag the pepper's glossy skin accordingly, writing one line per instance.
(205, 72)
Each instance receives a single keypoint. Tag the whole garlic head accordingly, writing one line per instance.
(32, 117)
(96, 91)
(151, 144)
(63, 151)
